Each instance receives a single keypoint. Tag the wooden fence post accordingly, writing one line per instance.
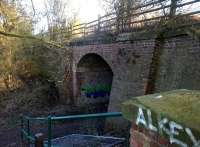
(173, 8)
(39, 140)
(84, 29)
(99, 24)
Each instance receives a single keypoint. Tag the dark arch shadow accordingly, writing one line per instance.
(94, 82)
(95, 61)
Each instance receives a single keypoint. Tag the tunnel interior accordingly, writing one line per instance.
(94, 83)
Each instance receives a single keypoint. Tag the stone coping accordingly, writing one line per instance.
(178, 112)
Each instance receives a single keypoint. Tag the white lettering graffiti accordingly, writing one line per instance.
(173, 131)
(193, 139)
(150, 124)
(173, 126)
(140, 118)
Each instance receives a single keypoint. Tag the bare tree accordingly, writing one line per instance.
(55, 16)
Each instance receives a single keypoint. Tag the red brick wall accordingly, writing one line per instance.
(130, 62)
(141, 137)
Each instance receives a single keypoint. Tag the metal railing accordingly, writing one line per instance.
(142, 16)
(28, 136)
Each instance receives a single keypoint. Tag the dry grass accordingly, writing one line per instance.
(31, 99)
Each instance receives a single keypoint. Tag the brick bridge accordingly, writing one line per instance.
(120, 56)
(135, 66)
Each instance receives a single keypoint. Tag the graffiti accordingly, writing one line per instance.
(95, 91)
(129, 56)
(173, 131)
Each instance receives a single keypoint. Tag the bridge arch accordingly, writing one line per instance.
(94, 82)
(84, 55)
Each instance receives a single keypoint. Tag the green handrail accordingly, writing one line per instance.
(27, 136)
(49, 120)
(49, 130)
(88, 116)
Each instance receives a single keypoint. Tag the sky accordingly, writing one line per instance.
(86, 10)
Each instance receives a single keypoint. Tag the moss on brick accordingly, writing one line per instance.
(182, 106)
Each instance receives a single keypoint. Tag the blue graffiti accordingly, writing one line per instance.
(96, 91)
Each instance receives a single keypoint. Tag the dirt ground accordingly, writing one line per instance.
(10, 137)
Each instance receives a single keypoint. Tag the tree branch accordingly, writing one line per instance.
(33, 7)
(30, 37)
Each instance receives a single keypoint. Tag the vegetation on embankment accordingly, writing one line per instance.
(30, 67)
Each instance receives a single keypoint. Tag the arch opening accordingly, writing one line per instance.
(94, 83)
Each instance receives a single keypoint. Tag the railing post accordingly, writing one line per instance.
(67, 32)
(84, 31)
(128, 21)
(49, 130)
(22, 127)
(173, 8)
(71, 30)
(122, 15)
(39, 140)
(99, 24)
(28, 130)
(117, 22)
